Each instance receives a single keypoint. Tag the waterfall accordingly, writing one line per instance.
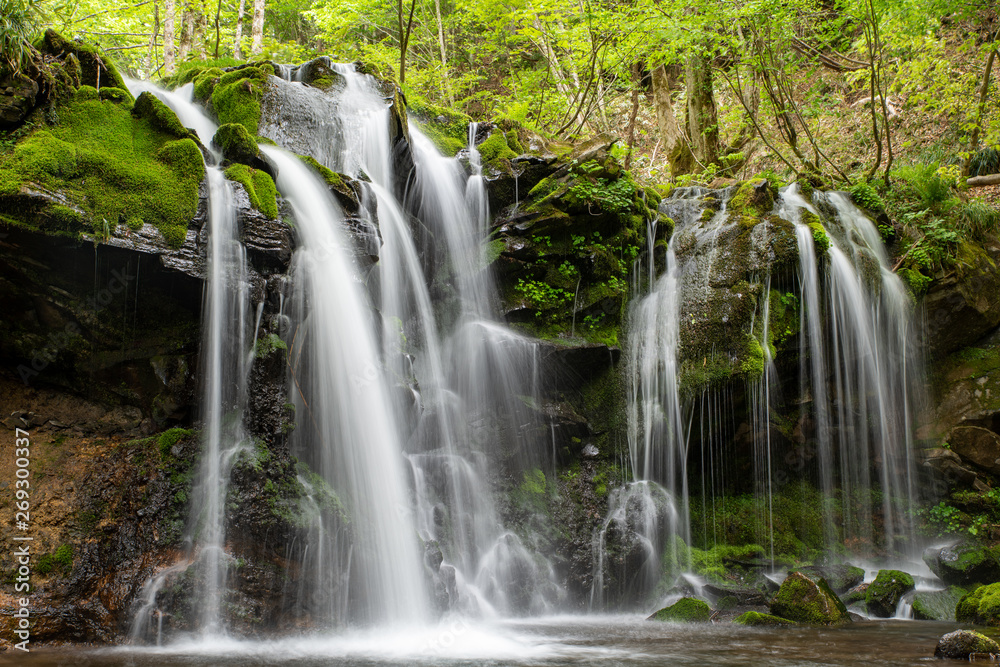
(858, 374)
(354, 440)
(226, 356)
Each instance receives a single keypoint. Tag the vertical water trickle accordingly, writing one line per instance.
(225, 357)
(354, 440)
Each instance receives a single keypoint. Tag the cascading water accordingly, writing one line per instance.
(354, 438)
(226, 358)
(858, 370)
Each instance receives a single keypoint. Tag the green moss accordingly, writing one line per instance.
(448, 129)
(116, 95)
(757, 619)
(806, 601)
(916, 281)
(236, 144)
(120, 168)
(169, 438)
(685, 610)
(61, 559)
(981, 606)
(820, 239)
(259, 186)
(884, 593)
(96, 69)
(159, 115)
(784, 319)
(268, 345)
(937, 605)
(751, 202)
(495, 152)
(85, 93)
(236, 97)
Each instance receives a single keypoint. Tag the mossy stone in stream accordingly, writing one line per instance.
(685, 610)
(757, 619)
(259, 186)
(236, 144)
(961, 644)
(806, 601)
(883, 594)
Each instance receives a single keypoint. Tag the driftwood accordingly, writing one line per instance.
(980, 181)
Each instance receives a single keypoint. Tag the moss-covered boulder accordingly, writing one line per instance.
(159, 115)
(448, 129)
(883, 594)
(964, 564)
(962, 644)
(981, 606)
(757, 619)
(234, 93)
(259, 186)
(96, 69)
(841, 578)
(803, 600)
(937, 605)
(685, 610)
(236, 144)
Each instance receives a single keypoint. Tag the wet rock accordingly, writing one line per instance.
(963, 644)
(959, 306)
(945, 469)
(883, 594)
(977, 445)
(268, 242)
(743, 596)
(685, 610)
(757, 619)
(841, 578)
(981, 606)
(855, 594)
(803, 600)
(937, 605)
(964, 563)
(18, 96)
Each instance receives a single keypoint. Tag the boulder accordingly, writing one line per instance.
(18, 95)
(685, 610)
(962, 644)
(959, 306)
(965, 563)
(757, 619)
(937, 605)
(883, 594)
(977, 445)
(806, 601)
(981, 606)
(840, 577)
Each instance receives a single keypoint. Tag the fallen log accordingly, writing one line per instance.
(980, 181)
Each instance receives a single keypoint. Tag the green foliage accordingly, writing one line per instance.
(542, 296)
(20, 21)
(867, 197)
(268, 345)
(259, 186)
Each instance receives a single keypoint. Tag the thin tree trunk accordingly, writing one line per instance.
(404, 35)
(702, 117)
(186, 30)
(257, 28)
(201, 22)
(675, 146)
(444, 53)
(237, 43)
(984, 91)
(218, 12)
(168, 37)
(636, 78)
(152, 40)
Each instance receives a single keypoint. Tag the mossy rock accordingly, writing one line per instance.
(116, 95)
(820, 238)
(841, 578)
(338, 184)
(96, 70)
(803, 600)
(159, 115)
(981, 606)
(236, 144)
(448, 129)
(237, 94)
(965, 564)
(751, 202)
(962, 644)
(119, 168)
(495, 152)
(685, 610)
(937, 605)
(756, 619)
(883, 594)
(259, 186)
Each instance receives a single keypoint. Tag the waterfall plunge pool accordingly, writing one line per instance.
(559, 640)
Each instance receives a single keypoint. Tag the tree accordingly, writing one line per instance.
(257, 28)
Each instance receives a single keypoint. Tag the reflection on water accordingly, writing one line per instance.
(596, 640)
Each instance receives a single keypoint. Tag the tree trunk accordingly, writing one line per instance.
(980, 111)
(675, 146)
(201, 21)
(168, 37)
(150, 60)
(702, 118)
(636, 76)
(186, 30)
(257, 28)
(980, 181)
(237, 46)
(404, 35)
(444, 53)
